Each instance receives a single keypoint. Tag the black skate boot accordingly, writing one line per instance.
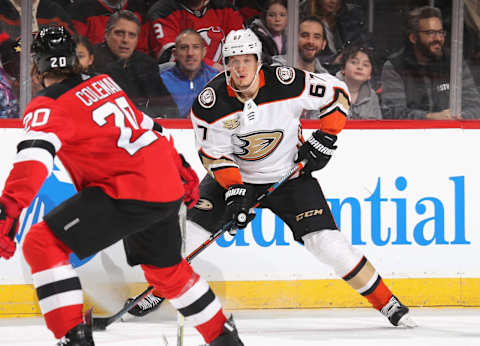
(80, 335)
(147, 305)
(229, 337)
(397, 313)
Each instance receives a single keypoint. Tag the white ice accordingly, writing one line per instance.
(333, 327)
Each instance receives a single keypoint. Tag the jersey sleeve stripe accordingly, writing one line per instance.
(46, 136)
(36, 143)
(36, 154)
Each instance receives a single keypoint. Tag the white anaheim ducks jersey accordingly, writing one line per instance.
(261, 136)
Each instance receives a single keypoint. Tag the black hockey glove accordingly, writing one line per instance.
(237, 206)
(317, 150)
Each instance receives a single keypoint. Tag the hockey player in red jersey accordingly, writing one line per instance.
(131, 182)
(248, 135)
(213, 19)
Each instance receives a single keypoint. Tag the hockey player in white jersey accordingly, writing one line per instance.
(248, 135)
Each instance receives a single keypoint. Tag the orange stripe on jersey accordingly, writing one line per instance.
(380, 296)
(228, 176)
(333, 123)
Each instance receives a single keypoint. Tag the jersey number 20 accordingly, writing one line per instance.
(121, 110)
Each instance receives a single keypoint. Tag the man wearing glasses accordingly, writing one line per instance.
(416, 80)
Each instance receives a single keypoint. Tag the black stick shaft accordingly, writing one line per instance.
(100, 323)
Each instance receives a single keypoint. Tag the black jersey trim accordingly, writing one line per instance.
(56, 287)
(57, 90)
(373, 288)
(356, 270)
(37, 143)
(199, 305)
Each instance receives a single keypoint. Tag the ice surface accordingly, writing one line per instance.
(333, 327)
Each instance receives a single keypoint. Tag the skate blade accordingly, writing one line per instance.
(128, 317)
(407, 322)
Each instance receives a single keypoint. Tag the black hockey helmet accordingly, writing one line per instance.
(53, 48)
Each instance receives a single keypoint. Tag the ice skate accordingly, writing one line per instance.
(397, 314)
(80, 335)
(148, 304)
(229, 337)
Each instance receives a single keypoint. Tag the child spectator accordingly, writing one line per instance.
(85, 55)
(356, 71)
(270, 28)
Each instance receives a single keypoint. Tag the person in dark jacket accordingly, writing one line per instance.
(135, 72)
(345, 24)
(90, 17)
(416, 80)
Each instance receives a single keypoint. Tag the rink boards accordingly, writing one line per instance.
(407, 198)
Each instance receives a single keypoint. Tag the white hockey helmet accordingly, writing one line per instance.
(239, 42)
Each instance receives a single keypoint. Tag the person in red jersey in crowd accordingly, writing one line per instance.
(213, 19)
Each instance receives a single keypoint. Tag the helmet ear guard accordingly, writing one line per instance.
(53, 48)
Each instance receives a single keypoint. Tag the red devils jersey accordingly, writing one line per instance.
(102, 140)
(170, 17)
(48, 12)
(90, 19)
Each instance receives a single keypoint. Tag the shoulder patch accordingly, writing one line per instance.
(207, 97)
(286, 75)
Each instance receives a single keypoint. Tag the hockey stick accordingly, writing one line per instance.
(183, 229)
(106, 321)
(101, 323)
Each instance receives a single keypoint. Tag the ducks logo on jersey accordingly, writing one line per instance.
(258, 145)
(207, 97)
(286, 75)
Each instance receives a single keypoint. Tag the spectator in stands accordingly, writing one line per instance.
(90, 18)
(9, 71)
(10, 59)
(249, 9)
(187, 78)
(213, 19)
(44, 12)
(136, 72)
(344, 24)
(85, 54)
(270, 28)
(357, 70)
(311, 42)
(416, 80)
(8, 99)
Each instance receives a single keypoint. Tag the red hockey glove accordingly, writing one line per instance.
(190, 184)
(9, 213)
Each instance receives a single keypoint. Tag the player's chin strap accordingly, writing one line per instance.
(229, 78)
(101, 323)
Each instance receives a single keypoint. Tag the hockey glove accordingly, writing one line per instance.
(317, 150)
(190, 184)
(9, 213)
(237, 206)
